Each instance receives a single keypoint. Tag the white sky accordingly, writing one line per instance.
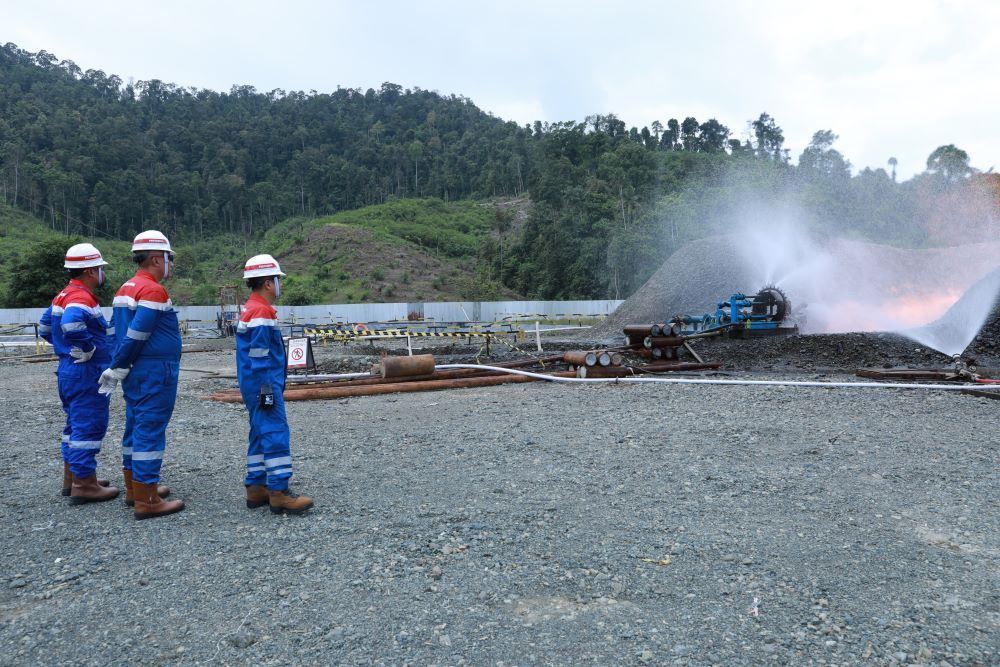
(892, 78)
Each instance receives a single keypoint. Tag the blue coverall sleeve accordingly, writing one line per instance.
(45, 325)
(261, 359)
(74, 327)
(138, 333)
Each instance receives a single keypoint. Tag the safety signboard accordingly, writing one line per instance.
(300, 354)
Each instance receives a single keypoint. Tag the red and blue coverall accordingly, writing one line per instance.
(260, 362)
(148, 341)
(74, 320)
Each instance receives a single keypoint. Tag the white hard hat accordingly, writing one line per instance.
(261, 266)
(82, 256)
(151, 240)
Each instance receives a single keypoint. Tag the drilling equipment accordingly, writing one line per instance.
(766, 313)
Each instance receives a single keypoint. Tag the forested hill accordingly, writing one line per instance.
(92, 154)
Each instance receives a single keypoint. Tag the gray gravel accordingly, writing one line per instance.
(527, 524)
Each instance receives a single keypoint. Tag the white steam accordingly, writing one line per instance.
(841, 285)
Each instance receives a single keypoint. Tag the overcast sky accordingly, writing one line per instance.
(892, 78)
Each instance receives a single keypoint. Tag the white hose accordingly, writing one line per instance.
(767, 383)
(293, 379)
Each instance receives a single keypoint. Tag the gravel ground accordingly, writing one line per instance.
(523, 524)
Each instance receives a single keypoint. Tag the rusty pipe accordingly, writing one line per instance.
(579, 358)
(662, 341)
(396, 388)
(667, 366)
(418, 364)
(643, 330)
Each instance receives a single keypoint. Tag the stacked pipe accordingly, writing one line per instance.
(420, 373)
(594, 363)
(410, 373)
(656, 341)
(661, 345)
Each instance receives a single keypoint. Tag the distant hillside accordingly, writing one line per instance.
(406, 250)
(89, 153)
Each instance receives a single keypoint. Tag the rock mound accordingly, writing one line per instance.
(689, 282)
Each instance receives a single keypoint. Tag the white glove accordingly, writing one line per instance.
(81, 356)
(110, 378)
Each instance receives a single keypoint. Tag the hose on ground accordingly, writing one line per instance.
(765, 383)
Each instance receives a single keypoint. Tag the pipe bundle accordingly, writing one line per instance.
(658, 343)
(405, 374)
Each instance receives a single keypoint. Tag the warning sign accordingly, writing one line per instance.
(299, 354)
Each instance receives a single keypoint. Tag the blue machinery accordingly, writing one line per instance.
(759, 315)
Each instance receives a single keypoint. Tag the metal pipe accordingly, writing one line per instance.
(671, 366)
(642, 330)
(578, 358)
(507, 376)
(604, 372)
(663, 341)
(687, 346)
(763, 383)
(395, 367)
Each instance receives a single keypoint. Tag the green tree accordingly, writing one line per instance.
(689, 134)
(37, 275)
(712, 136)
(950, 163)
(770, 138)
(820, 158)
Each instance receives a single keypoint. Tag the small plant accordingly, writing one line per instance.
(378, 274)
(405, 278)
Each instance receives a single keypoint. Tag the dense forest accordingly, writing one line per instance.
(93, 155)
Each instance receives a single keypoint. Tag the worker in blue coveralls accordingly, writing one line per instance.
(74, 325)
(146, 360)
(260, 368)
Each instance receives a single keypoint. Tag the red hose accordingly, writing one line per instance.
(985, 381)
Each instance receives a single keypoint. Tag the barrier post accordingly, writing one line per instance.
(538, 337)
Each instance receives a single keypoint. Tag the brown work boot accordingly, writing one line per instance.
(149, 505)
(257, 496)
(87, 490)
(161, 490)
(286, 501)
(67, 486)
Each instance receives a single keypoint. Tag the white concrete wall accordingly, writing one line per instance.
(445, 311)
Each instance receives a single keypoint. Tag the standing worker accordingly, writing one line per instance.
(76, 328)
(146, 361)
(260, 368)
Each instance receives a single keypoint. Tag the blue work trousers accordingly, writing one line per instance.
(150, 393)
(86, 415)
(269, 456)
